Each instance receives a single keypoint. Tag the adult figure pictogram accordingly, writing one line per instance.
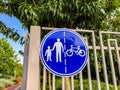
(59, 49)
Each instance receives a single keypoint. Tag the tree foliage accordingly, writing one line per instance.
(85, 14)
(10, 33)
(9, 63)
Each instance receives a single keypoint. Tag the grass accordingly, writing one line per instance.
(5, 83)
(94, 85)
(58, 85)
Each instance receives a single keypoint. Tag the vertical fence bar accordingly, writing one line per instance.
(72, 82)
(49, 81)
(40, 76)
(81, 81)
(63, 83)
(88, 69)
(44, 78)
(53, 82)
(96, 62)
(33, 59)
(118, 56)
(67, 83)
(112, 65)
(104, 63)
(40, 59)
(89, 75)
(25, 62)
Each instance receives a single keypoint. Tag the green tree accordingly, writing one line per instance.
(10, 33)
(84, 14)
(9, 63)
(92, 14)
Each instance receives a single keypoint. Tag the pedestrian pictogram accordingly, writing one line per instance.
(64, 52)
(48, 54)
(59, 49)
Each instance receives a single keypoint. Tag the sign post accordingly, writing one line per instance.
(33, 75)
(64, 52)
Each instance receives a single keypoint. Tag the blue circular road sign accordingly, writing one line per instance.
(64, 52)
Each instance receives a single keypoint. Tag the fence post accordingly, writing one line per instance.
(33, 75)
(25, 62)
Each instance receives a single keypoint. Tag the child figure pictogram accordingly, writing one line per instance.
(48, 53)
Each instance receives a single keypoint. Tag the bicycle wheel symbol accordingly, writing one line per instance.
(69, 52)
(79, 52)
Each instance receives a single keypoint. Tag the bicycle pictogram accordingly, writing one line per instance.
(76, 50)
(64, 52)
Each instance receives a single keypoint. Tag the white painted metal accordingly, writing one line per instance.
(72, 82)
(118, 55)
(112, 64)
(25, 62)
(53, 83)
(96, 62)
(104, 63)
(81, 81)
(94, 48)
(63, 83)
(88, 68)
(33, 78)
(44, 78)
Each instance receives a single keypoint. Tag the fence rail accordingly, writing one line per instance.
(103, 62)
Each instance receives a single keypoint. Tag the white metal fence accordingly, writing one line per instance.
(103, 64)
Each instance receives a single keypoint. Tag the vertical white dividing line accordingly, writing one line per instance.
(64, 37)
(64, 33)
(65, 69)
(64, 40)
(65, 61)
(64, 51)
(64, 47)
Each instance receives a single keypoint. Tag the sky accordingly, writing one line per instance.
(13, 22)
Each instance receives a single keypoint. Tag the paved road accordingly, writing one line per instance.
(14, 87)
